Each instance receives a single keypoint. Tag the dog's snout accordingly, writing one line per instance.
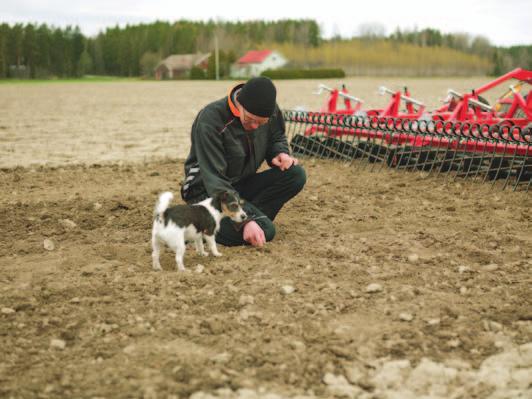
(244, 216)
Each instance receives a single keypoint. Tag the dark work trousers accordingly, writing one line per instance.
(265, 194)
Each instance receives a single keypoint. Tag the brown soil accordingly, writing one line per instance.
(132, 332)
(83, 315)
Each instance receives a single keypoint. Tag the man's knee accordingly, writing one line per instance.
(297, 177)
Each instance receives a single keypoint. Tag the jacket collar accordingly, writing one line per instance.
(230, 100)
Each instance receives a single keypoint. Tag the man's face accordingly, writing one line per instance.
(249, 121)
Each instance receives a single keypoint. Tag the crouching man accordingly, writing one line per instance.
(231, 138)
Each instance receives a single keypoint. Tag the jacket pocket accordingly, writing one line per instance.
(236, 159)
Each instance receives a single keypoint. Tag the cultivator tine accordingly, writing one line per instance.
(529, 182)
(461, 131)
(460, 150)
(351, 142)
(388, 138)
(510, 168)
(419, 136)
(472, 157)
(290, 128)
(485, 139)
(502, 168)
(360, 125)
(412, 150)
(429, 157)
(432, 155)
(493, 160)
(455, 151)
(526, 169)
(448, 154)
(375, 147)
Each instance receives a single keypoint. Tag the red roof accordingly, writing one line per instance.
(254, 57)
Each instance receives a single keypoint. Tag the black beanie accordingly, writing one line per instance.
(257, 97)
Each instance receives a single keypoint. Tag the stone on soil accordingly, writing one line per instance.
(48, 244)
(67, 223)
(287, 289)
(199, 268)
(246, 300)
(490, 268)
(406, 316)
(374, 287)
(413, 258)
(58, 344)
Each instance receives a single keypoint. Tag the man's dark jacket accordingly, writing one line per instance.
(223, 153)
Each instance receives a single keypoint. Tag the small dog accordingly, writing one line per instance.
(181, 223)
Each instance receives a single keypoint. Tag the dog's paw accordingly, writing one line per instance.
(157, 268)
(204, 253)
(217, 254)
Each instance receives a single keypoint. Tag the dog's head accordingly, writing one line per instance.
(230, 205)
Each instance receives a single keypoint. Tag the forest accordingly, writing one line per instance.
(39, 51)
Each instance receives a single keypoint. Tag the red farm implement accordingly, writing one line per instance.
(352, 104)
(466, 137)
(511, 109)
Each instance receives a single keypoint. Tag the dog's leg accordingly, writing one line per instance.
(211, 243)
(155, 252)
(180, 253)
(199, 246)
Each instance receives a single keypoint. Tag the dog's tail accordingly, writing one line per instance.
(162, 203)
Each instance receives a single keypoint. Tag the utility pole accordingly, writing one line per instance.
(216, 57)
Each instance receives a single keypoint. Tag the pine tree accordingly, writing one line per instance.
(30, 49)
(3, 50)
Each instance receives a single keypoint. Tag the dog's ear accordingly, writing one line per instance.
(217, 200)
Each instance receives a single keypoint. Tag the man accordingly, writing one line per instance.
(231, 138)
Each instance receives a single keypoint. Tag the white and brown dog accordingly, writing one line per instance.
(176, 225)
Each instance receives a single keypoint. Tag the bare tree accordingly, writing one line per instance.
(371, 30)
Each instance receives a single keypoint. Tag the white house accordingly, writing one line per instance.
(254, 62)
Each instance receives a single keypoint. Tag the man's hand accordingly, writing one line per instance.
(284, 161)
(253, 234)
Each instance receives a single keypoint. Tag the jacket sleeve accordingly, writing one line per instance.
(278, 143)
(211, 157)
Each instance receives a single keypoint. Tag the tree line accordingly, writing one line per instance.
(502, 59)
(38, 51)
(42, 51)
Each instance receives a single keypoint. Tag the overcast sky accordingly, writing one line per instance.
(503, 22)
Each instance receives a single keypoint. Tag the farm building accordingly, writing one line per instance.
(254, 62)
(179, 66)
